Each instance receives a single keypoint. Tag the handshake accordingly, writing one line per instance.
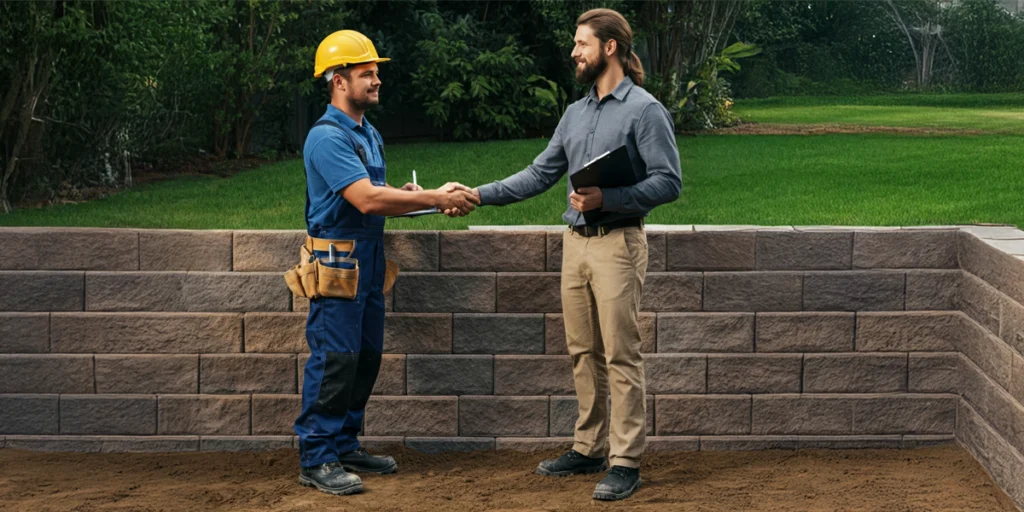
(453, 199)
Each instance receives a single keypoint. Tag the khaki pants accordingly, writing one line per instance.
(602, 282)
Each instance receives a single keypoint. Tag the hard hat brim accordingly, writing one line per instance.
(375, 61)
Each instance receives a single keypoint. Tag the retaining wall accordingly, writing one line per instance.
(152, 340)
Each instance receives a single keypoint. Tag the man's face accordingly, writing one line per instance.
(589, 55)
(362, 88)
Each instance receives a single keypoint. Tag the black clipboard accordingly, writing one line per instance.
(611, 169)
(417, 213)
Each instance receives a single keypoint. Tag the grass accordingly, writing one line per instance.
(840, 179)
(997, 113)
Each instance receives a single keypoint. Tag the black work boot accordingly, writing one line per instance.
(331, 478)
(572, 463)
(620, 484)
(361, 462)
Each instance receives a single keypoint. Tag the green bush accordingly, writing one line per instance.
(988, 44)
(473, 92)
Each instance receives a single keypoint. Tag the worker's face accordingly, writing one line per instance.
(589, 55)
(362, 87)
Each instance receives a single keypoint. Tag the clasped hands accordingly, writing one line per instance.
(455, 199)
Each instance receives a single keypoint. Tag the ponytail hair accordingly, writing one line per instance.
(609, 25)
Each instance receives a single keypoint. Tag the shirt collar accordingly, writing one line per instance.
(618, 93)
(335, 114)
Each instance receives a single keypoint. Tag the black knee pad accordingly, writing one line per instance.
(338, 382)
(366, 377)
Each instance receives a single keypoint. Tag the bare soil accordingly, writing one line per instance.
(927, 479)
(822, 129)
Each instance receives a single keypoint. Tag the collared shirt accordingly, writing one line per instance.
(628, 116)
(332, 163)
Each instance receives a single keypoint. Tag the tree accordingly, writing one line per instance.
(919, 20)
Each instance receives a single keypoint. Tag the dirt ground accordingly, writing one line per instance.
(927, 479)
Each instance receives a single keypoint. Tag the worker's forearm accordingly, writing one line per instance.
(393, 201)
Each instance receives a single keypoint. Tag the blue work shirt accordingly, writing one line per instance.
(332, 164)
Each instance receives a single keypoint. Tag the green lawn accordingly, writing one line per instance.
(998, 113)
(842, 179)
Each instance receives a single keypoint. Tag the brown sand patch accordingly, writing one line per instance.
(927, 479)
(823, 129)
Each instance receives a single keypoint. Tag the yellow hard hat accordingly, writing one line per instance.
(343, 48)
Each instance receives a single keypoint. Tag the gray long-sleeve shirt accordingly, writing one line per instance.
(589, 127)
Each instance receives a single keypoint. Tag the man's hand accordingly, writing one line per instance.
(458, 200)
(588, 198)
(412, 187)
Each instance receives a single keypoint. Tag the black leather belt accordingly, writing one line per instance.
(588, 231)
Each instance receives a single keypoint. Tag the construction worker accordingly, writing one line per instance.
(604, 262)
(343, 271)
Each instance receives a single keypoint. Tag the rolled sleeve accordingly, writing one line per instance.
(336, 161)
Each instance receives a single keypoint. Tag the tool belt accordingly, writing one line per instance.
(315, 277)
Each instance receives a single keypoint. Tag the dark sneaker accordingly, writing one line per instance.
(359, 461)
(331, 478)
(572, 463)
(620, 484)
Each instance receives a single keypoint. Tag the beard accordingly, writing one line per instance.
(366, 102)
(589, 74)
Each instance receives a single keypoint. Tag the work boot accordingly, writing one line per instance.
(331, 478)
(620, 484)
(358, 461)
(572, 463)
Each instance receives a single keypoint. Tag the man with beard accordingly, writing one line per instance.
(347, 198)
(604, 265)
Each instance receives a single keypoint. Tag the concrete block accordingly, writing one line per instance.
(1003, 271)
(244, 444)
(855, 373)
(980, 301)
(904, 414)
(41, 291)
(192, 250)
(804, 250)
(802, 414)
(671, 291)
(503, 416)
(247, 373)
(147, 374)
(508, 333)
(933, 290)
(445, 293)
(529, 292)
(203, 415)
(533, 375)
(68, 249)
(418, 333)
(496, 251)
(753, 291)
(29, 414)
(533, 444)
(266, 250)
(705, 332)
(754, 373)
(854, 291)
(908, 332)
(24, 333)
(412, 416)
(701, 251)
(702, 414)
(413, 251)
(675, 374)
(804, 332)
(937, 372)
(276, 333)
(391, 378)
(905, 249)
(437, 445)
(108, 414)
(124, 333)
(450, 374)
(275, 414)
(45, 373)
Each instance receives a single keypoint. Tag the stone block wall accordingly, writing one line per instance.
(163, 340)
